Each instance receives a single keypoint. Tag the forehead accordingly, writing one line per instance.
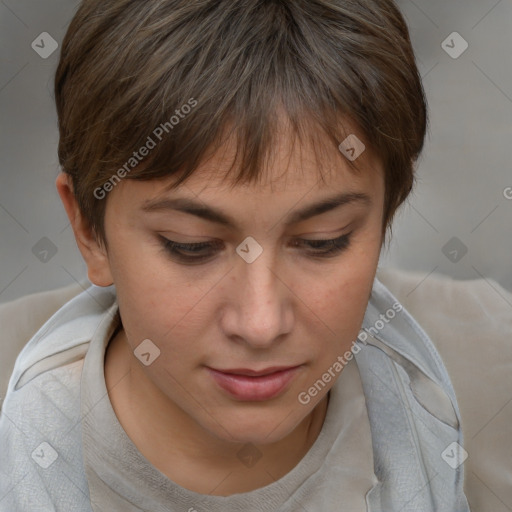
(297, 169)
(292, 161)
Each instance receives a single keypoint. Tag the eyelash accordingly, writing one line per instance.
(329, 248)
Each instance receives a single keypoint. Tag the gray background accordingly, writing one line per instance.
(464, 175)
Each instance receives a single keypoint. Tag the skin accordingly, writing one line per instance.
(286, 308)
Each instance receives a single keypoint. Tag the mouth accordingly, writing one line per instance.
(256, 373)
(254, 385)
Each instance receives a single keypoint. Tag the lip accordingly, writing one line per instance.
(256, 373)
(254, 386)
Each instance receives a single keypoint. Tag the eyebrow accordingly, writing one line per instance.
(216, 215)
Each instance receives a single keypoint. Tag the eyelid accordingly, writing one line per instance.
(323, 236)
(333, 247)
(332, 233)
(196, 239)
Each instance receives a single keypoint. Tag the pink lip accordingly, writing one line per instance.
(251, 385)
(256, 373)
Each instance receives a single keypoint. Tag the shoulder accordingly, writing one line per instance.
(41, 462)
(470, 323)
(40, 443)
(21, 318)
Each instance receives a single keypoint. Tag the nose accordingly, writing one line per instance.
(260, 305)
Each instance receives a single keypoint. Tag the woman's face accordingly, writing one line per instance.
(255, 295)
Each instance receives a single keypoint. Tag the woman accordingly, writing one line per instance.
(230, 171)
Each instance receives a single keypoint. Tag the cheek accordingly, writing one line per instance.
(339, 300)
(159, 308)
(155, 298)
(341, 307)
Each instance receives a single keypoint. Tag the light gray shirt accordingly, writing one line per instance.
(62, 447)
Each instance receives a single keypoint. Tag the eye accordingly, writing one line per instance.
(195, 252)
(325, 248)
(198, 252)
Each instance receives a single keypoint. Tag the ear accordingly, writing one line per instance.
(94, 253)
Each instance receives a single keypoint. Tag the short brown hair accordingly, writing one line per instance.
(128, 66)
